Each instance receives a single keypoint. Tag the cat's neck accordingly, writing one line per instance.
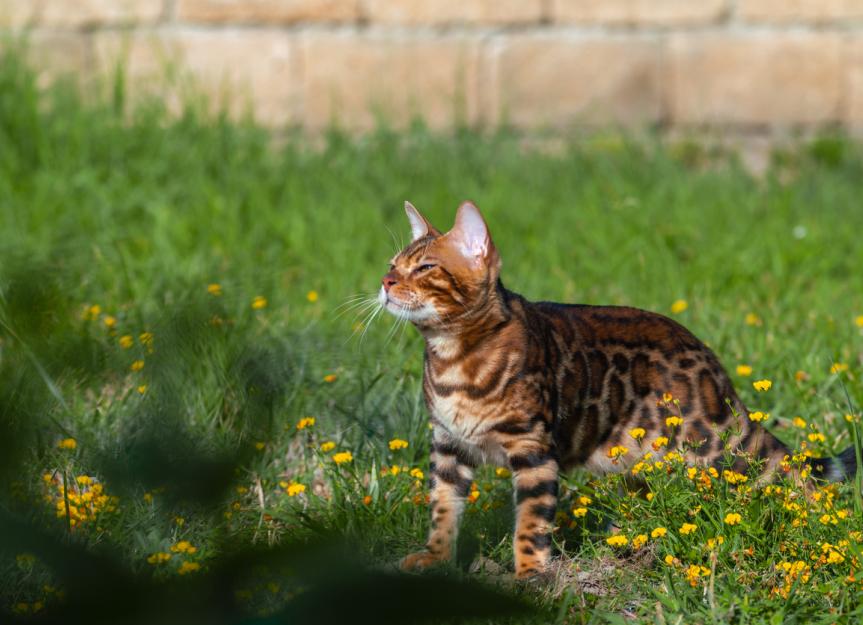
(467, 333)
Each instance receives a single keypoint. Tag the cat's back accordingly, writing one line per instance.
(610, 327)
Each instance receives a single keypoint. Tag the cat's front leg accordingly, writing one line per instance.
(535, 482)
(451, 474)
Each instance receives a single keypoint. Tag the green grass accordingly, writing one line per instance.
(138, 212)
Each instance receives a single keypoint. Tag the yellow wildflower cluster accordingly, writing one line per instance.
(688, 528)
(792, 572)
(305, 422)
(693, 572)
(733, 518)
(259, 302)
(183, 546)
(397, 443)
(343, 457)
(616, 452)
(83, 502)
(295, 488)
(637, 433)
(762, 385)
(158, 558)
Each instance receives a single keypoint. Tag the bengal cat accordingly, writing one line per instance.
(542, 387)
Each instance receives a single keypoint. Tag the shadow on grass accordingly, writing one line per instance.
(46, 350)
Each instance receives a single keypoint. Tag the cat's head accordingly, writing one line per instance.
(440, 280)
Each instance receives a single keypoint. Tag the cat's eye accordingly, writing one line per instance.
(425, 267)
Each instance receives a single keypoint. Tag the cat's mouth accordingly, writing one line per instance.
(412, 311)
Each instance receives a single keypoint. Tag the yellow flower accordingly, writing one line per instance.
(142, 389)
(137, 365)
(733, 477)
(295, 489)
(637, 433)
(670, 560)
(744, 370)
(312, 296)
(328, 446)
(659, 443)
(305, 422)
(762, 385)
(188, 567)
(816, 437)
(67, 443)
(397, 444)
(330, 378)
(259, 302)
(714, 542)
(616, 452)
(658, 532)
(673, 421)
(694, 572)
(667, 397)
(342, 457)
(110, 321)
(801, 376)
(184, 546)
(688, 528)
(579, 512)
(859, 321)
(799, 423)
(126, 341)
(758, 416)
(146, 338)
(838, 367)
(93, 312)
(679, 306)
(416, 474)
(639, 541)
(214, 289)
(158, 558)
(260, 445)
(618, 540)
(691, 472)
(733, 518)
(649, 496)
(850, 418)
(502, 472)
(148, 497)
(752, 319)
(585, 500)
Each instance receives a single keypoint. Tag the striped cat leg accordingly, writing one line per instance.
(451, 475)
(535, 483)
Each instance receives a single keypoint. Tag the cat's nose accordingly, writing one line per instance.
(388, 281)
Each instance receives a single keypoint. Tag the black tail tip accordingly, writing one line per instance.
(848, 462)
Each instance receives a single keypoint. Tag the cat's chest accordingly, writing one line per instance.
(450, 395)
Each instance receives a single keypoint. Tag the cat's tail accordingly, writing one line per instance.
(838, 468)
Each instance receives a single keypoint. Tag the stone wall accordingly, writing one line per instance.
(742, 64)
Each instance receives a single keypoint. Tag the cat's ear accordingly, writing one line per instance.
(470, 234)
(420, 226)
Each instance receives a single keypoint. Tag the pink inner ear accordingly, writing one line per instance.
(471, 232)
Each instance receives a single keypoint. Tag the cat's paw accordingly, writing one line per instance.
(419, 561)
(533, 574)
